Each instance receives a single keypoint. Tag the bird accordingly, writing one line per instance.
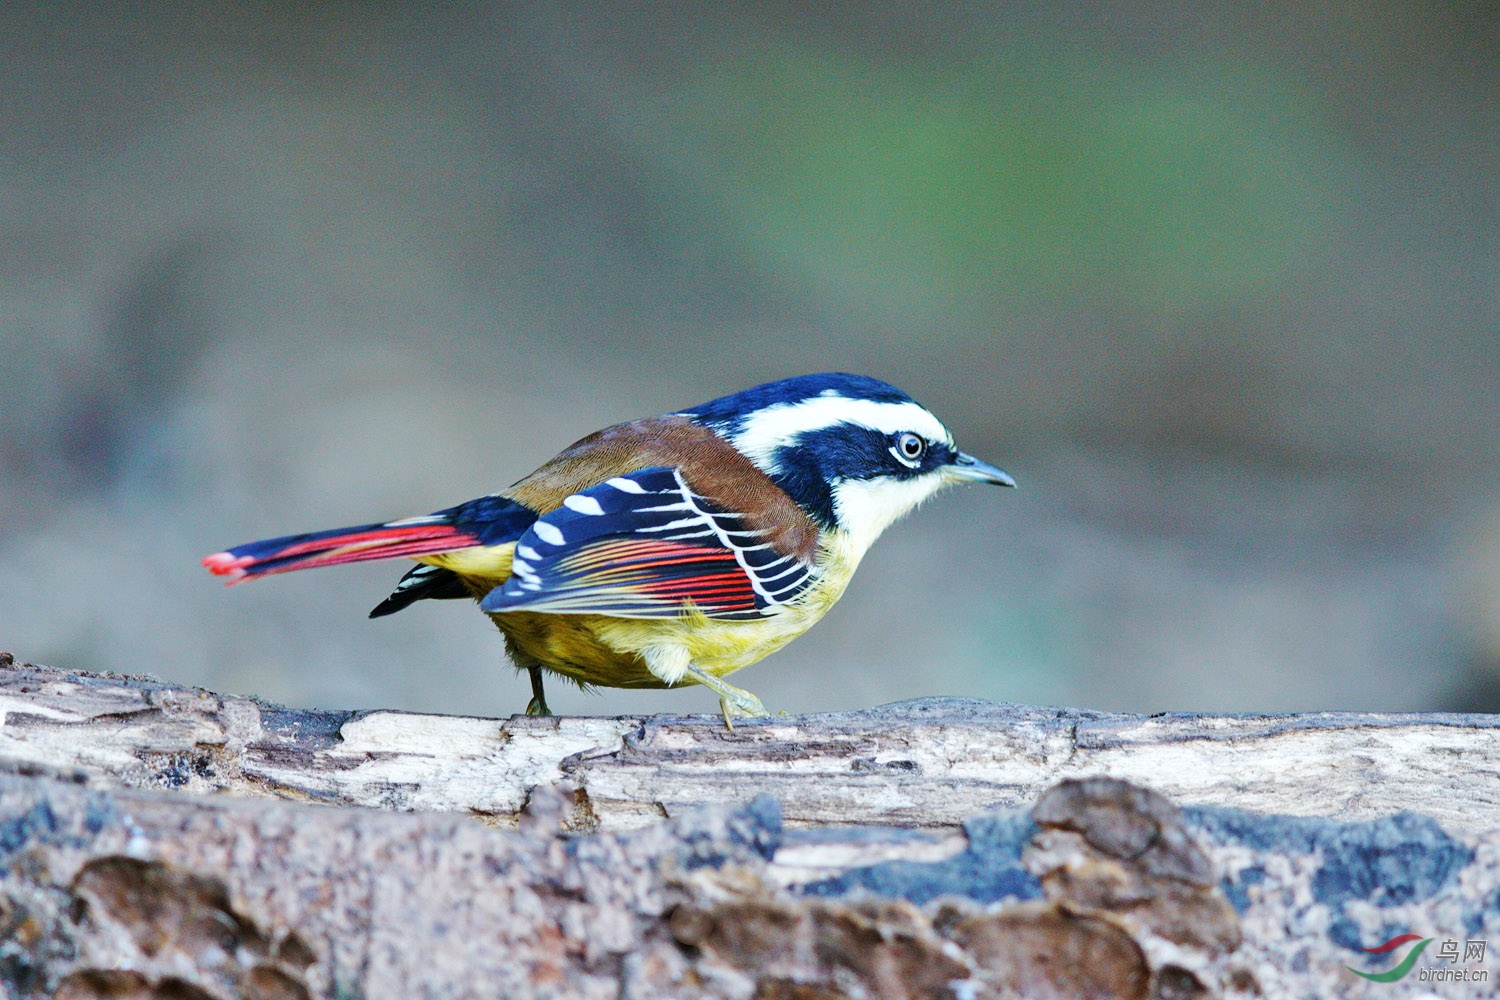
(670, 550)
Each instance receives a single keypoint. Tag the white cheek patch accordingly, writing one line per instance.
(865, 508)
(767, 431)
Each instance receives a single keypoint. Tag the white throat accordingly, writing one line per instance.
(865, 508)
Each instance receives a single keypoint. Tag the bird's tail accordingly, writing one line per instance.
(413, 536)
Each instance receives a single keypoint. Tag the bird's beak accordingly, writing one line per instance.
(968, 469)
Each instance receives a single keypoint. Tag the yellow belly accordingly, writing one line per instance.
(598, 649)
(609, 652)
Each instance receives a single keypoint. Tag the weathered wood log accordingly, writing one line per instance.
(924, 764)
(157, 840)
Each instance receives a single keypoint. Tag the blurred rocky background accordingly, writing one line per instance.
(1218, 284)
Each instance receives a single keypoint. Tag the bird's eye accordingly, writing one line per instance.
(910, 446)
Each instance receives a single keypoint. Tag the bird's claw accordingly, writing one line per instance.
(537, 706)
(732, 701)
(742, 704)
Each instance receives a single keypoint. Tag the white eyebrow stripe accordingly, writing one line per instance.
(766, 431)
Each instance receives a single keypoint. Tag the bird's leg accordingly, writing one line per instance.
(538, 703)
(732, 700)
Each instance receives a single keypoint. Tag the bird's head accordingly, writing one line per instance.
(852, 451)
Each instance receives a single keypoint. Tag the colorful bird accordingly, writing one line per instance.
(672, 550)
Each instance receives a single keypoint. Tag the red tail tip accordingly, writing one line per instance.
(227, 564)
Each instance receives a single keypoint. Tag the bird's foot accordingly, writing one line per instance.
(733, 702)
(538, 703)
(745, 705)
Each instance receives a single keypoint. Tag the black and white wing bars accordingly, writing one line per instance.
(647, 546)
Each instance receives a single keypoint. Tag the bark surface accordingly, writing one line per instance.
(158, 840)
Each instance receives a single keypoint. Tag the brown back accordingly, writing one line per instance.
(711, 466)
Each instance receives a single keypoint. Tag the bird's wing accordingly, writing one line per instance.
(645, 545)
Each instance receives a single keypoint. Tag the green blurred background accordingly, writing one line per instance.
(1218, 284)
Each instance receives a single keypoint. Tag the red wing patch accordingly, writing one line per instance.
(647, 546)
(629, 569)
